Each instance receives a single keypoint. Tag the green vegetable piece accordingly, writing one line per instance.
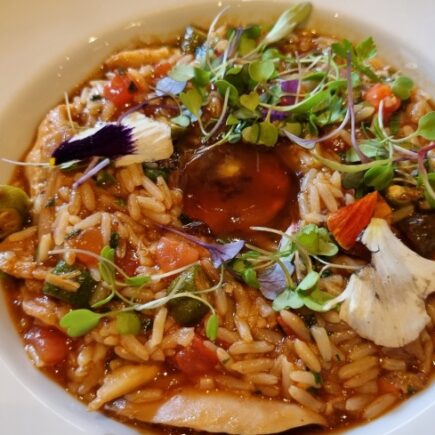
(223, 85)
(192, 99)
(250, 101)
(114, 240)
(379, 177)
(261, 70)
(79, 298)
(192, 39)
(293, 127)
(105, 179)
(79, 322)
(316, 241)
(14, 208)
(402, 87)
(211, 329)
(186, 311)
(371, 148)
(309, 281)
(253, 32)
(182, 72)
(138, 281)
(287, 22)
(128, 323)
(263, 133)
(154, 173)
(249, 275)
(312, 101)
(426, 126)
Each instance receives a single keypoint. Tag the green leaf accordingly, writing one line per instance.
(309, 281)
(402, 87)
(379, 177)
(353, 180)
(371, 148)
(211, 329)
(250, 101)
(263, 133)
(249, 275)
(223, 85)
(182, 72)
(253, 32)
(181, 120)
(246, 45)
(313, 100)
(154, 173)
(316, 241)
(287, 22)
(201, 76)
(137, 281)
(128, 323)
(261, 70)
(79, 322)
(426, 126)
(293, 127)
(192, 99)
(287, 299)
(366, 49)
(343, 47)
(316, 299)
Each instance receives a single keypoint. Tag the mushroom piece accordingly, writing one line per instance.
(385, 301)
(221, 412)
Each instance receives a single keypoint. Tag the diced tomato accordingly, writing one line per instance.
(196, 359)
(379, 92)
(130, 262)
(162, 69)
(50, 345)
(88, 240)
(174, 251)
(385, 386)
(120, 90)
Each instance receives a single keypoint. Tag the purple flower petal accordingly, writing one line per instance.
(273, 281)
(168, 85)
(109, 140)
(89, 174)
(219, 253)
(290, 86)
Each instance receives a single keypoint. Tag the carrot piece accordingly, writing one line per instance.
(347, 222)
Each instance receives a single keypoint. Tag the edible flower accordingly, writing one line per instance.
(135, 139)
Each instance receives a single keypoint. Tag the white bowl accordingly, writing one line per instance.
(51, 48)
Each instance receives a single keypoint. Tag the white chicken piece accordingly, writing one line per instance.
(220, 411)
(385, 301)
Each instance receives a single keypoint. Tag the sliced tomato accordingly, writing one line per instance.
(91, 240)
(196, 359)
(382, 92)
(173, 252)
(234, 187)
(50, 344)
(120, 90)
